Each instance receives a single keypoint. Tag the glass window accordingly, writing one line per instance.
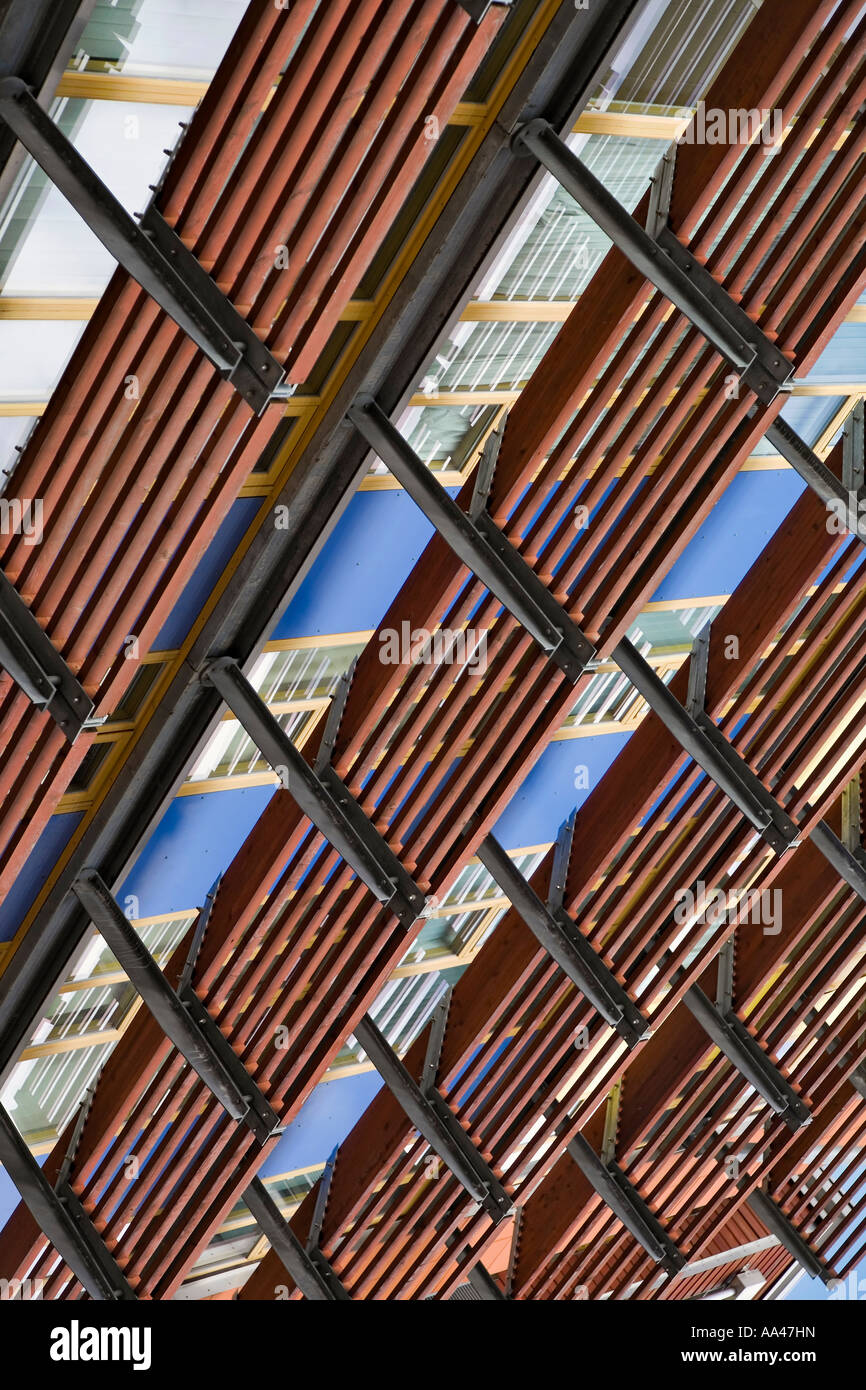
(45, 247)
(164, 38)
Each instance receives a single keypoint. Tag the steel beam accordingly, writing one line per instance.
(624, 1200)
(854, 450)
(321, 795)
(182, 1017)
(152, 253)
(667, 264)
(566, 944)
(711, 751)
(479, 543)
(37, 40)
(436, 1123)
(850, 866)
(34, 663)
(62, 1220)
(309, 1268)
(812, 470)
(732, 1038)
(787, 1234)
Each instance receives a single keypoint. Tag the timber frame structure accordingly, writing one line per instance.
(617, 1106)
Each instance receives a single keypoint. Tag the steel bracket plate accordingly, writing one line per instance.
(437, 1124)
(151, 253)
(324, 799)
(479, 543)
(33, 662)
(732, 1038)
(624, 1200)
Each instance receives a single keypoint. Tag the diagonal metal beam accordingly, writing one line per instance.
(436, 1122)
(321, 795)
(667, 264)
(309, 1269)
(181, 1016)
(62, 1220)
(34, 663)
(566, 944)
(479, 543)
(152, 253)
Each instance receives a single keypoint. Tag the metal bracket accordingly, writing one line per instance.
(611, 1124)
(436, 1122)
(725, 977)
(696, 697)
(561, 861)
(152, 253)
(485, 472)
(479, 543)
(661, 188)
(851, 828)
(195, 944)
(321, 795)
(62, 1220)
(513, 1251)
(567, 945)
(668, 265)
(787, 1234)
(732, 1038)
(181, 1015)
(854, 451)
(75, 1137)
(309, 1269)
(314, 1237)
(31, 659)
(711, 751)
(624, 1200)
(336, 710)
(438, 1025)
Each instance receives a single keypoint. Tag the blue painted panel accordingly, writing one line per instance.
(361, 567)
(195, 841)
(9, 1197)
(30, 880)
(207, 572)
(324, 1121)
(733, 535)
(548, 794)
